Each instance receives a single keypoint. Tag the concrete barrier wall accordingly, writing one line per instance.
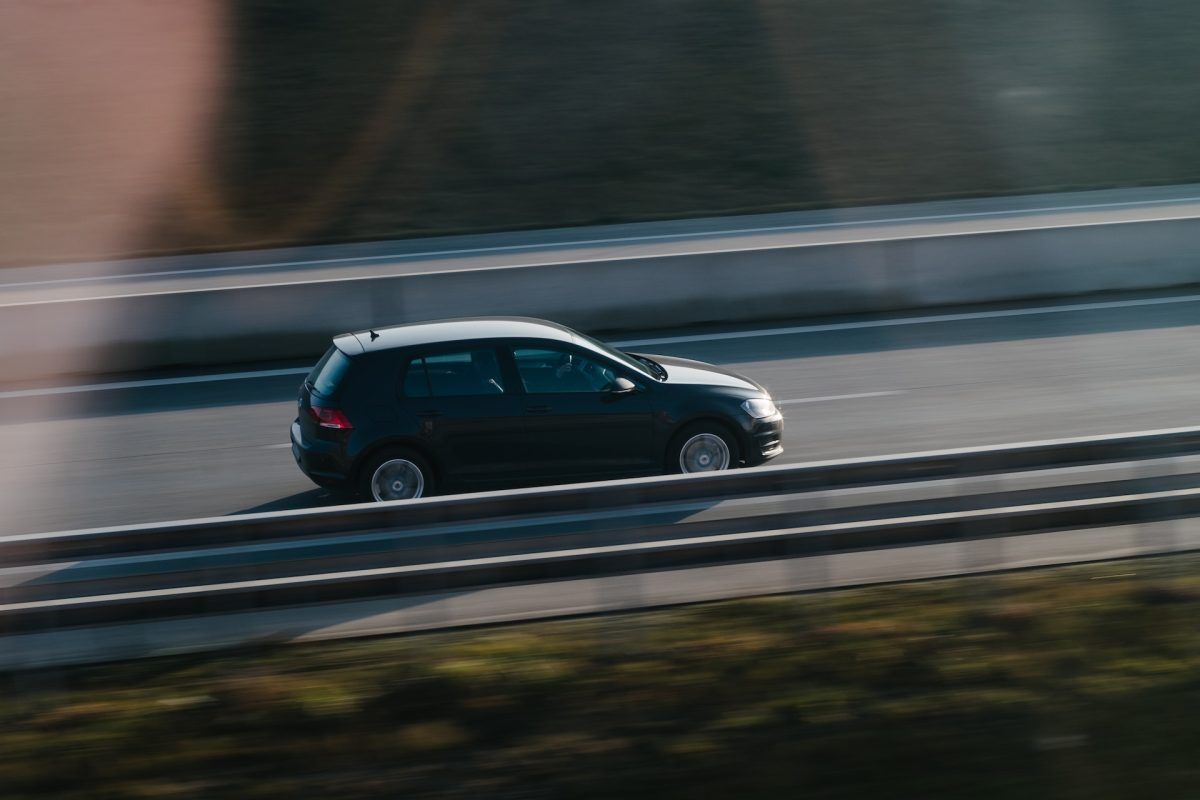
(228, 326)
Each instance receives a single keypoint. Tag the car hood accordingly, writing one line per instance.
(685, 371)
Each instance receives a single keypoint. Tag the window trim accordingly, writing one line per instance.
(446, 348)
(571, 349)
(403, 379)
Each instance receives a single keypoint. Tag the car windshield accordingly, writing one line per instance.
(617, 355)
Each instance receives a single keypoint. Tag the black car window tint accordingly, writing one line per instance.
(463, 374)
(546, 371)
(416, 383)
(329, 371)
(487, 370)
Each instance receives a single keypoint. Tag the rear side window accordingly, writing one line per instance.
(463, 374)
(416, 383)
(329, 371)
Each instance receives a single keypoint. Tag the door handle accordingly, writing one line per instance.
(537, 409)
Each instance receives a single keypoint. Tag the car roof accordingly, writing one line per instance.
(440, 331)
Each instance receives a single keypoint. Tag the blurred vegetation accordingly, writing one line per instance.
(376, 120)
(369, 119)
(1071, 683)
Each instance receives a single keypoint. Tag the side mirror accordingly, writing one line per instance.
(622, 386)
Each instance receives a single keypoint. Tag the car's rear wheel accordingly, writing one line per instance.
(703, 447)
(396, 474)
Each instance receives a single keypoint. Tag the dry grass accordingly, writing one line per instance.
(1068, 683)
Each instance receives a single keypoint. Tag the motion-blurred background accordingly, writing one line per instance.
(136, 127)
(924, 225)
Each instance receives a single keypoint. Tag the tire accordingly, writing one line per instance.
(406, 475)
(697, 444)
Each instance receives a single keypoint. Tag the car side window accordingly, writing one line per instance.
(466, 373)
(546, 371)
(416, 382)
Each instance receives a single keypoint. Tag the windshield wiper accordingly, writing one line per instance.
(656, 367)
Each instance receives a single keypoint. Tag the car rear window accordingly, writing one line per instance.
(329, 371)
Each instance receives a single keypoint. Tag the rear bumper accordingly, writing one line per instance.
(763, 441)
(318, 460)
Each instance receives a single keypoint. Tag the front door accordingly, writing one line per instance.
(577, 429)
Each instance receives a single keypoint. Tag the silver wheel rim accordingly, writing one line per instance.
(704, 452)
(397, 479)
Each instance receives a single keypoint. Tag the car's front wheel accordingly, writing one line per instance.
(396, 474)
(703, 447)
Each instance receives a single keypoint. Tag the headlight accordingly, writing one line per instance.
(760, 408)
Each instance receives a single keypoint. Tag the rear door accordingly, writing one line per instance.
(576, 428)
(467, 412)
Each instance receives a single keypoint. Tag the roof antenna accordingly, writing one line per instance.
(374, 336)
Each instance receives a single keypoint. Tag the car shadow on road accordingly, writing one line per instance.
(313, 498)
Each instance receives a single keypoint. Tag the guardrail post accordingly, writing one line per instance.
(1160, 577)
(981, 541)
(433, 607)
(622, 589)
(807, 558)
(1159, 532)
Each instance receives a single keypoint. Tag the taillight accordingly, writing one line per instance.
(330, 418)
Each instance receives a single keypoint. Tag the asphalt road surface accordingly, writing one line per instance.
(849, 387)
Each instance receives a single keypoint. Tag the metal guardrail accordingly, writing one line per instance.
(555, 564)
(213, 566)
(588, 497)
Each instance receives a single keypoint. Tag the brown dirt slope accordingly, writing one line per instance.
(366, 120)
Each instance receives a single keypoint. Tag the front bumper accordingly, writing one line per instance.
(764, 440)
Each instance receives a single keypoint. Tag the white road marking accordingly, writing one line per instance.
(922, 320)
(102, 387)
(276, 446)
(449, 499)
(610, 241)
(558, 262)
(837, 397)
(796, 330)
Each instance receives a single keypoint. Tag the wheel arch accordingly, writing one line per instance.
(365, 457)
(673, 440)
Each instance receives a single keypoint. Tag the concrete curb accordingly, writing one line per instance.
(906, 267)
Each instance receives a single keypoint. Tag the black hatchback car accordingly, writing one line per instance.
(468, 404)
